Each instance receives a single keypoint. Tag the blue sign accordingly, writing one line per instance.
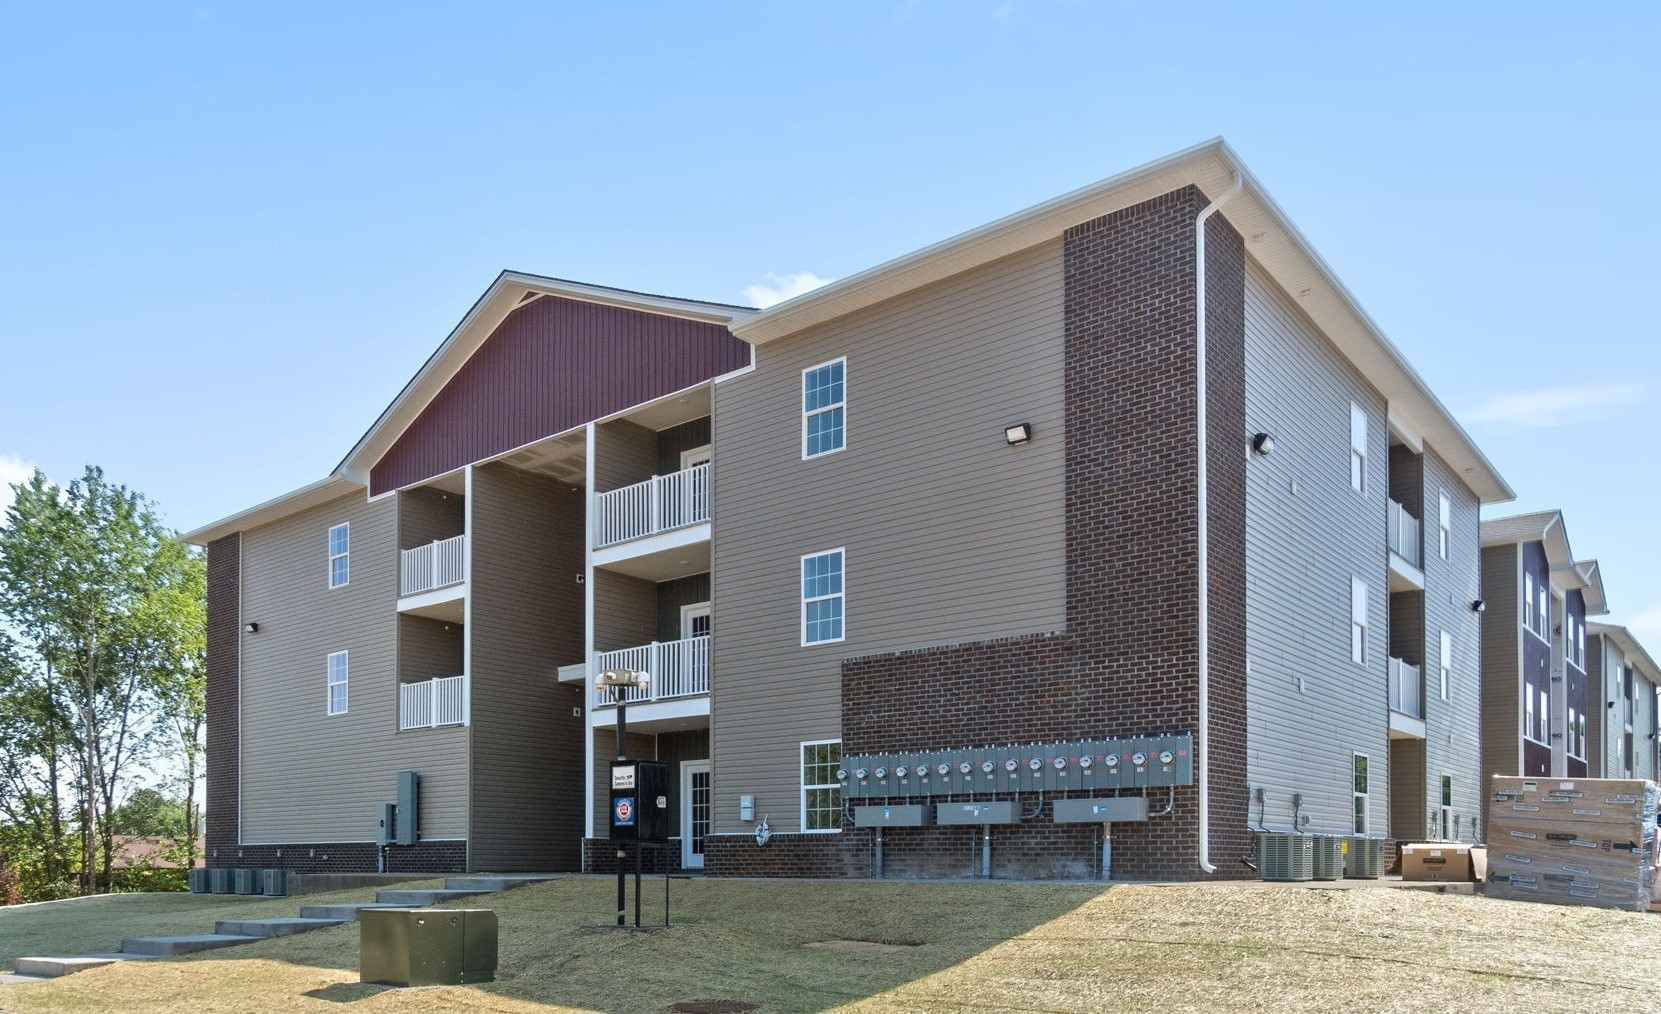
(622, 811)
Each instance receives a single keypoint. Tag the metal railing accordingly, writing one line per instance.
(1406, 690)
(659, 504)
(678, 669)
(1404, 538)
(441, 700)
(434, 565)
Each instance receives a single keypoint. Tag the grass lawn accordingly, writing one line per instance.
(955, 946)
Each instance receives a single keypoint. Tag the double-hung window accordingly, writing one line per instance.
(821, 792)
(1358, 449)
(822, 597)
(824, 408)
(1528, 601)
(337, 683)
(340, 554)
(1447, 662)
(1447, 806)
(1358, 621)
(1359, 792)
(1445, 514)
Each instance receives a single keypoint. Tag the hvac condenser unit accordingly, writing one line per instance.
(1329, 857)
(249, 882)
(1365, 858)
(199, 882)
(1283, 855)
(276, 882)
(219, 880)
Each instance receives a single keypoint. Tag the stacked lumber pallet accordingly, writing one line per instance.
(1582, 841)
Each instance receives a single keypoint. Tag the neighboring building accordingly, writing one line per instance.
(1625, 722)
(951, 502)
(1536, 690)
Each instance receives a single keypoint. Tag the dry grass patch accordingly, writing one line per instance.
(974, 946)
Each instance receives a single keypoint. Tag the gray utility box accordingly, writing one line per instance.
(249, 882)
(276, 882)
(220, 880)
(996, 812)
(1117, 810)
(911, 815)
(427, 946)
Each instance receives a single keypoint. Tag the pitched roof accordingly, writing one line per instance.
(1629, 647)
(1546, 527)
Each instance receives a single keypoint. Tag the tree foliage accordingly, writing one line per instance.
(102, 672)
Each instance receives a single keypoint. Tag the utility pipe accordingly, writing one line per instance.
(1202, 739)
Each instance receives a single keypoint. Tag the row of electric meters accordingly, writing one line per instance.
(1133, 763)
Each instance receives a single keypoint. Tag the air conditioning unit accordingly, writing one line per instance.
(1365, 857)
(1285, 855)
(248, 881)
(219, 880)
(200, 882)
(1329, 857)
(275, 882)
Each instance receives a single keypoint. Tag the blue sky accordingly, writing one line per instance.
(230, 232)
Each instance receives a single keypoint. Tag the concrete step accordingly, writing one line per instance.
(273, 927)
(491, 884)
(190, 944)
(343, 913)
(53, 967)
(420, 899)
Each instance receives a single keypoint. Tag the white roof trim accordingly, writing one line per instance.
(1629, 646)
(1271, 239)
(320, 492)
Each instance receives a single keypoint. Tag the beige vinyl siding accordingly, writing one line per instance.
(1605, 726)
(1501, 667)
(308, 776)
(427, 515)
(624, 453)
(1309, 707)
(625, 611)
(429, 648)
(950, 534)
(526, 615)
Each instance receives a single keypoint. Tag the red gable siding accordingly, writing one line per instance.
(551, 365)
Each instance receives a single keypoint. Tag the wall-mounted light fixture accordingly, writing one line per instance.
(1477, 605)
(1263, 443)
(1611, 704)
(250, 628)
(1018, 433)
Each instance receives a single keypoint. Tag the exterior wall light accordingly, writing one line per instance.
(250, 628)
(1018, 433)
(1263, 443)
(1478, 606)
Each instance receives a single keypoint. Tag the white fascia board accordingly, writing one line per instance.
(1629, 647)
(305, 497)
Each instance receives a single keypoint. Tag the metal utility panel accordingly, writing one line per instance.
(1114, 810)
(1133, 767)
(386, 823)
(1032, 767)
(897, 815)
(1061, 770)
(1170, 761)
(882, 775)
(995, 812)
(905, 778)
(427, 946)
(409, 807)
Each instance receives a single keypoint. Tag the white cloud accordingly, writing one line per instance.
(1646, 627)
(1557, 406)
(13, 469)
(779, 288)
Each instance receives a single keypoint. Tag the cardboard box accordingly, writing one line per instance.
(1436, 861)
(1479, 863)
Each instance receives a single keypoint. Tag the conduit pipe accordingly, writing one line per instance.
(1202, 737)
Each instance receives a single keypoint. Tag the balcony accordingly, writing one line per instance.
(680, 670)
(436, 565)
(1406, 550)
(1407, 709)
(441, 700)
(662, 503)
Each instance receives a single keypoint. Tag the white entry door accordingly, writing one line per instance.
(695, 802)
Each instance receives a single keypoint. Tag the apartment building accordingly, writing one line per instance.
(1625, 707)
(1128, 467)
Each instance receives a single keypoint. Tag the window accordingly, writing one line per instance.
(824, 408)
(1358, 449)
(1360, 790)
(1447, 662)
(1542, 615)
(1580, 645)
(822, 597)
(1543, 734)
(1528, 601)
(1447, 806)
(337, 683)
(1445, 509)
(340, 557)
(1358, 621)
(1529, 728)
(821, 792)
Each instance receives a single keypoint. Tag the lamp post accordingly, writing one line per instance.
(620, 682)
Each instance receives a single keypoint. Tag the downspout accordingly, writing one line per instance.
(1202, 737)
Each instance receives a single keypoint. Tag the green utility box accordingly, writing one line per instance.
(427, 946)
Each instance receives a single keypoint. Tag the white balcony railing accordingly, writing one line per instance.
(659, 504)
(678, 669)
(431, 703)
(1406, 692)
(434, 565)
(1404, 535)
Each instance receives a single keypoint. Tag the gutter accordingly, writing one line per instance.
(1202, 737)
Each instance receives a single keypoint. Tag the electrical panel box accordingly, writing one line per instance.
(427, 946)
(1113, 810)
(1171, 761)
(249, 882)
(896, 815)
(906, 781)
(639, 801)
(1059, 771)
(409, 808)
(1000, 811)
(386, 824)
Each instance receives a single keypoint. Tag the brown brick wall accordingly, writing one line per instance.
(345, 857)
(224, 638)
(600, 856)
(1127, 664)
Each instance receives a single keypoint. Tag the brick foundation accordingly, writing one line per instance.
(600, 856)
(345, 857)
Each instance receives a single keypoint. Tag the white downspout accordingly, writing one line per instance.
(1202, 737)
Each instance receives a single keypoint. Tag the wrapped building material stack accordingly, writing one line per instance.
(1582, 841)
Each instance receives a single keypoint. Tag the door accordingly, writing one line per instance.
(695, 620)
(694, 502)
(695, 801)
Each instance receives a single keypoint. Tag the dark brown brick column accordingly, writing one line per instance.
(224, 637)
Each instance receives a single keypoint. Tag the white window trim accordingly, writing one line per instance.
(1444, 516)
(1358, 620)
(692, 611)
(1359, 427)
(333, 556)
(693, 455)
(1447, 662)
(801, 392)
(801, 778)
(843, 595)
(344, 683)
(1449, 832)
(1528, 601)
(1365, 797)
